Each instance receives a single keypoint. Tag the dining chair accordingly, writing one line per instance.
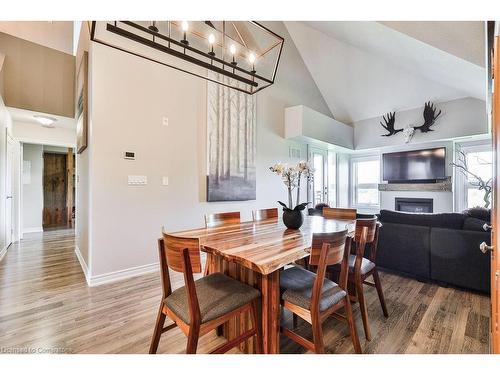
(202, 305)
(361, 268)
(222, 219)
(219, 220)
(265, 214)
(339, 213)
(313, 297)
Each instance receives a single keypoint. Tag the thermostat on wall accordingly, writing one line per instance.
(129, 155)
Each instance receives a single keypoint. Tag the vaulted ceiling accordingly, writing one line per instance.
(365, 69)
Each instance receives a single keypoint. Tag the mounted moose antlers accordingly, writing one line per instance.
(389, 124)
(430, 117)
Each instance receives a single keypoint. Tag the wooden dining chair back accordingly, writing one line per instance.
(331, 244)
(173, 254)
(196, 314)
(265, 214)
(314, 298)
(328, 249)
(221, 219)
(371, 225)
(339, 213)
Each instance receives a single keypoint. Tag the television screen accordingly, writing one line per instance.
(417, 165)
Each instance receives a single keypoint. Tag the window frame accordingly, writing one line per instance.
(332, 197)
(462, 184)
(354, 186)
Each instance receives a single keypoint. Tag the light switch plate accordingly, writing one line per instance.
(165, 121)
(137, 180)
(164, 181)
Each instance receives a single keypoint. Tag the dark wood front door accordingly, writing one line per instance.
(54, 190)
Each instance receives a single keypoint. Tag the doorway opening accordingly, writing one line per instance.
(58, 189)
(48, 188)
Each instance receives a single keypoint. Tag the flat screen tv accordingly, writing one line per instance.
(417, 165)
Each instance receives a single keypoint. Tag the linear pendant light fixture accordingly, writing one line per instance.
(243, 55)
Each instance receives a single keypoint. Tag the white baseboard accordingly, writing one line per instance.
(83, 264)
(122, 274)
(32, 230)
(3, 252)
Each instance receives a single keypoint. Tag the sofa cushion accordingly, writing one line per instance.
(479, 213)
(471, 223)
(442, 220)
(314, 212)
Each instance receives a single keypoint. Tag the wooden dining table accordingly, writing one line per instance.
(254, 253)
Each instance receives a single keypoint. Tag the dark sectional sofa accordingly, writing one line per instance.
(440, 247)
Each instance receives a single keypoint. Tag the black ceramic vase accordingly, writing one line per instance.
(293, 219)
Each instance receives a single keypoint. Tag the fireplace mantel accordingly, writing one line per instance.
(443, 185)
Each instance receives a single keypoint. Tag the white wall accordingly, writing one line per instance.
(83, 166)
(28, 132)
(33, 191)
(459, 118)
(305, 124)
(129, 97)
(5, 126)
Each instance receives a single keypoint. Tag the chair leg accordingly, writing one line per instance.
(352, 326)
(258, 327)
(160, 320)
(378, 285)
(362, 307)
(208, 263)
(319, 346)
(192, 342)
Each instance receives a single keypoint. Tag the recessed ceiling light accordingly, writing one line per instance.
(46, 121)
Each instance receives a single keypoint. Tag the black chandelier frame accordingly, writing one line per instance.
(233, 71)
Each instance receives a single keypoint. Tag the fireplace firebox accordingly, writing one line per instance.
(418, 205)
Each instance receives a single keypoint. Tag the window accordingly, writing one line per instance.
(479, 161)
(365, 179)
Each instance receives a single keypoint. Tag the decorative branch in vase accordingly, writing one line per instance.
(292, 178)
(478, 182)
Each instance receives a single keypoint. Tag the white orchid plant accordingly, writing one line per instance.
(292, 178)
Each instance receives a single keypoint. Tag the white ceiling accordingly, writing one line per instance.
(365, 69)
(459, 38)
(24, 115)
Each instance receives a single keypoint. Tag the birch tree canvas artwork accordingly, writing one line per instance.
(231, 145)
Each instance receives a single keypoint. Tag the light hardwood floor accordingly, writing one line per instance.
(45, 303)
